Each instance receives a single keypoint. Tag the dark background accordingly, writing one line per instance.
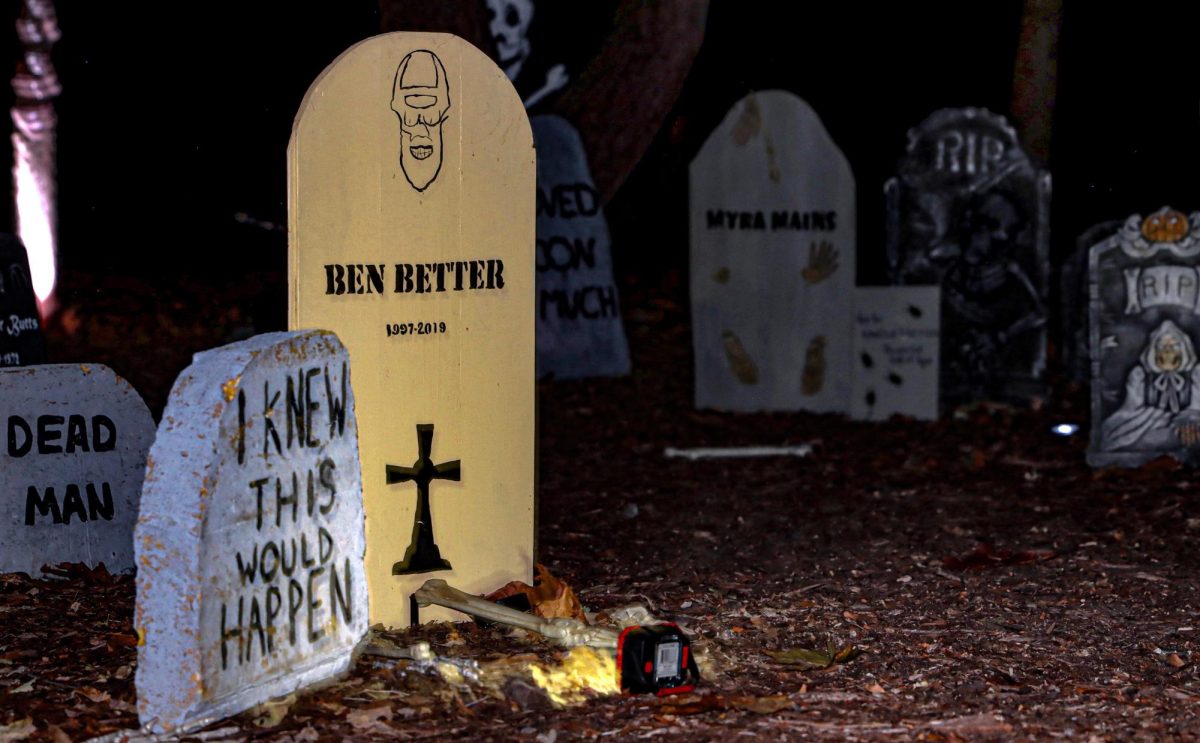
(173, 122)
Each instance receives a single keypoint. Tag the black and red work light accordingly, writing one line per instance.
(656, 659)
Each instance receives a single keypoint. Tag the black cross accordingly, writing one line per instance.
(423, 554)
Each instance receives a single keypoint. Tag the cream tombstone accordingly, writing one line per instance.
(411, 186)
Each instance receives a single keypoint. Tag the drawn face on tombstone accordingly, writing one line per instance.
(509, 24)
(421, 99)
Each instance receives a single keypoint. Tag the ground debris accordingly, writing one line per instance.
(773, 553)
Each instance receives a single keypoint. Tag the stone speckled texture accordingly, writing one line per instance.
(75, 443)
(250, 542)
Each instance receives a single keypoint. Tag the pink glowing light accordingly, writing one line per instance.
(35, 86)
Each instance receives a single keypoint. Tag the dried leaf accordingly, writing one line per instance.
(846, 654)
(57, 734)
(695, 704)
(307, 735)
(368, 718)
(972, 725)
(94, 695)
(270, 714)
(19, 730)
(985, 556)
(804, 658)
(762, 705)
(549, 597)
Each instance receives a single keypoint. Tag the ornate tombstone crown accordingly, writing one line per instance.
(1165, 226)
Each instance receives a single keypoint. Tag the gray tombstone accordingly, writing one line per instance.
(1145, 295)
(250, 543)
(772, 261)
(896, 345)
(22, 341)
(75, 443)
(579, 330)
(1073, 300)
(969, 211)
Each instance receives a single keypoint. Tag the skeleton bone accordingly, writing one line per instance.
(556, 77)
(567, 633)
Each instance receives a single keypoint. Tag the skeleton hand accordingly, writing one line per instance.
(822, 262)
(556, 77)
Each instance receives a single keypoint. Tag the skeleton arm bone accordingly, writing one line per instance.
(564, 632)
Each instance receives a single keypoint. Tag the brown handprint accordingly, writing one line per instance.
(740, 363)
(822, 262)
(812, 378)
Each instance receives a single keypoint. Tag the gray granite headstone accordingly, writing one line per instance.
(250, 542)
(1073, 300)
(1145, 295)
(969, 211)
(75, 443)
(579, 330)
(22, 342)
(896, 345)
(772, 261)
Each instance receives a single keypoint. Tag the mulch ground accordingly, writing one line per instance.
(990, 584)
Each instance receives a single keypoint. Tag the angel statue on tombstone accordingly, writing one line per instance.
(1161, 409)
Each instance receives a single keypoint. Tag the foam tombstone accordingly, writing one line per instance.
(250, 541)
(412, 185)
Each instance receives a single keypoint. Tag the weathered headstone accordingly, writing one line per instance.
(1145, 296)
(896, 348)
(250, 542)
(412, 237)
(579, 331)
(772, 261)
(75, 443)
(22, 342)
(969, 211)
(1073, 300)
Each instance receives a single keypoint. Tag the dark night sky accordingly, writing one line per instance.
(165, 136)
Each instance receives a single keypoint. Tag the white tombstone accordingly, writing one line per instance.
(75, 443)
(579, 330)
(772, 261)
(896, 336)
(411, 213)
(250, 542)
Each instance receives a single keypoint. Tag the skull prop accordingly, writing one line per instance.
(421, 99)
(509, 25)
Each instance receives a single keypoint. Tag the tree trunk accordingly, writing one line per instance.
(1035, 79)
(622, 97)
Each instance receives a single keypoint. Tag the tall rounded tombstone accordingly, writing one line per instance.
(772, 260)
(250, 540)
(969, 211)
(75, 443)
(1144, 326)
(22, 340)
(411, 183)
(579, 330)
